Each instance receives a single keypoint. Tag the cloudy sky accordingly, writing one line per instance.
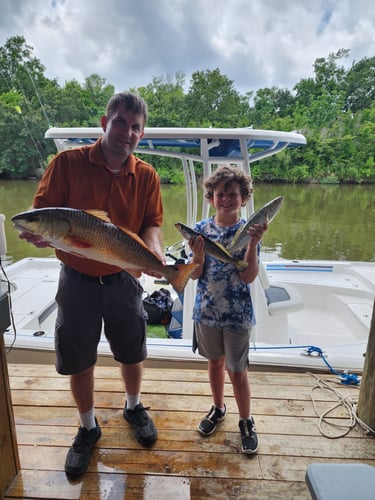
(255, 43)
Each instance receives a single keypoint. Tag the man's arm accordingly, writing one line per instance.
(152, 236)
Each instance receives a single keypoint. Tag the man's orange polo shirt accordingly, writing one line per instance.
(79, 178)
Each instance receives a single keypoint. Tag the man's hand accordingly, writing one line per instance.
(163, 260)
(35, 239)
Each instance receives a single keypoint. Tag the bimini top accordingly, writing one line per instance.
(209, 146)
(200, 144)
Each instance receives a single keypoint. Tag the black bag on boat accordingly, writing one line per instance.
(158, 306)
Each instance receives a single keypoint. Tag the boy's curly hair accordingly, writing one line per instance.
(228, 174)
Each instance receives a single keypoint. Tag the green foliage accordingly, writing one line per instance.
(166, 101)
(212, 101)
(334, 109)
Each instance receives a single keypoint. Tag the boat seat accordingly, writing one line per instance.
(281, 298)
(341, 481)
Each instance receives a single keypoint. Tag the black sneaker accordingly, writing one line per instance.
(143, 427)
(249, 439)
(79, 454)
(210, 421)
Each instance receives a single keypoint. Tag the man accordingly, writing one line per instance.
(108, 177)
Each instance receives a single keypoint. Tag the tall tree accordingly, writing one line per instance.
(361, 85)
(165, 100)
(271, 104)
(213, 101)
(21, 76)
(321, 100)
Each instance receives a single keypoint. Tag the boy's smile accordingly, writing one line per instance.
(227, 199)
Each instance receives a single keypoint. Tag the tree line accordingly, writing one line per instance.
(334, 109)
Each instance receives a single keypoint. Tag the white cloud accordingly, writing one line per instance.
(255, 43)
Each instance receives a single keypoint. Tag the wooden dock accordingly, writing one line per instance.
(182, 464)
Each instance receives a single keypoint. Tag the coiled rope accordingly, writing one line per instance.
(349, 403)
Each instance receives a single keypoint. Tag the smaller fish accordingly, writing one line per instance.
(262, 216)
(214, 249)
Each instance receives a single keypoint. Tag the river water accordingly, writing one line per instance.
(330, 222)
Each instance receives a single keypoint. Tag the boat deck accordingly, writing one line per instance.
(182, 464)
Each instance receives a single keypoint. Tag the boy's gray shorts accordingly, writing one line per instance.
(213, 342)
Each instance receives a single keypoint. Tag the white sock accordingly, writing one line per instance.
(88, 419)
(132, 400)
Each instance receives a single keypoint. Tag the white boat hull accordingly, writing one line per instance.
(324, 324)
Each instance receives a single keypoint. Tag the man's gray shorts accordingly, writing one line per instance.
(85, 305)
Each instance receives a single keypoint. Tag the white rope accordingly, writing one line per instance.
(349, 403)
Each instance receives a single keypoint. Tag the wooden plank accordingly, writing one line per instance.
(303, 378)
(231, 466)
(27, 417)
(222, 442)
(120, 485)
(174, 402)
(182, 388)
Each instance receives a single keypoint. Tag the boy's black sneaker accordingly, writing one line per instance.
(79, 454)
(210, 421)
(249, 438)
(143, 426)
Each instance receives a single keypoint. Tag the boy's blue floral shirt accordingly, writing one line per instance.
(222, 298)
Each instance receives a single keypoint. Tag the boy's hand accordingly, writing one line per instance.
(196, 244)
(256, 232)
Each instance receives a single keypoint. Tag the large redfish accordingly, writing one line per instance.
(91, 234)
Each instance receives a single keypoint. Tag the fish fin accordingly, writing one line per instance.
(77, 242)
(99, 214)
(133, 235)
(235, 237)
(241, 265)
(184, 271)
(139, 240)
(222, 247)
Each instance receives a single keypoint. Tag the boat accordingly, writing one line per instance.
(311, 314)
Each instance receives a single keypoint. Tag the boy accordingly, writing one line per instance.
(223, 312)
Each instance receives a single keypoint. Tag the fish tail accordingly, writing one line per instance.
(184, 271)
(241, 265)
